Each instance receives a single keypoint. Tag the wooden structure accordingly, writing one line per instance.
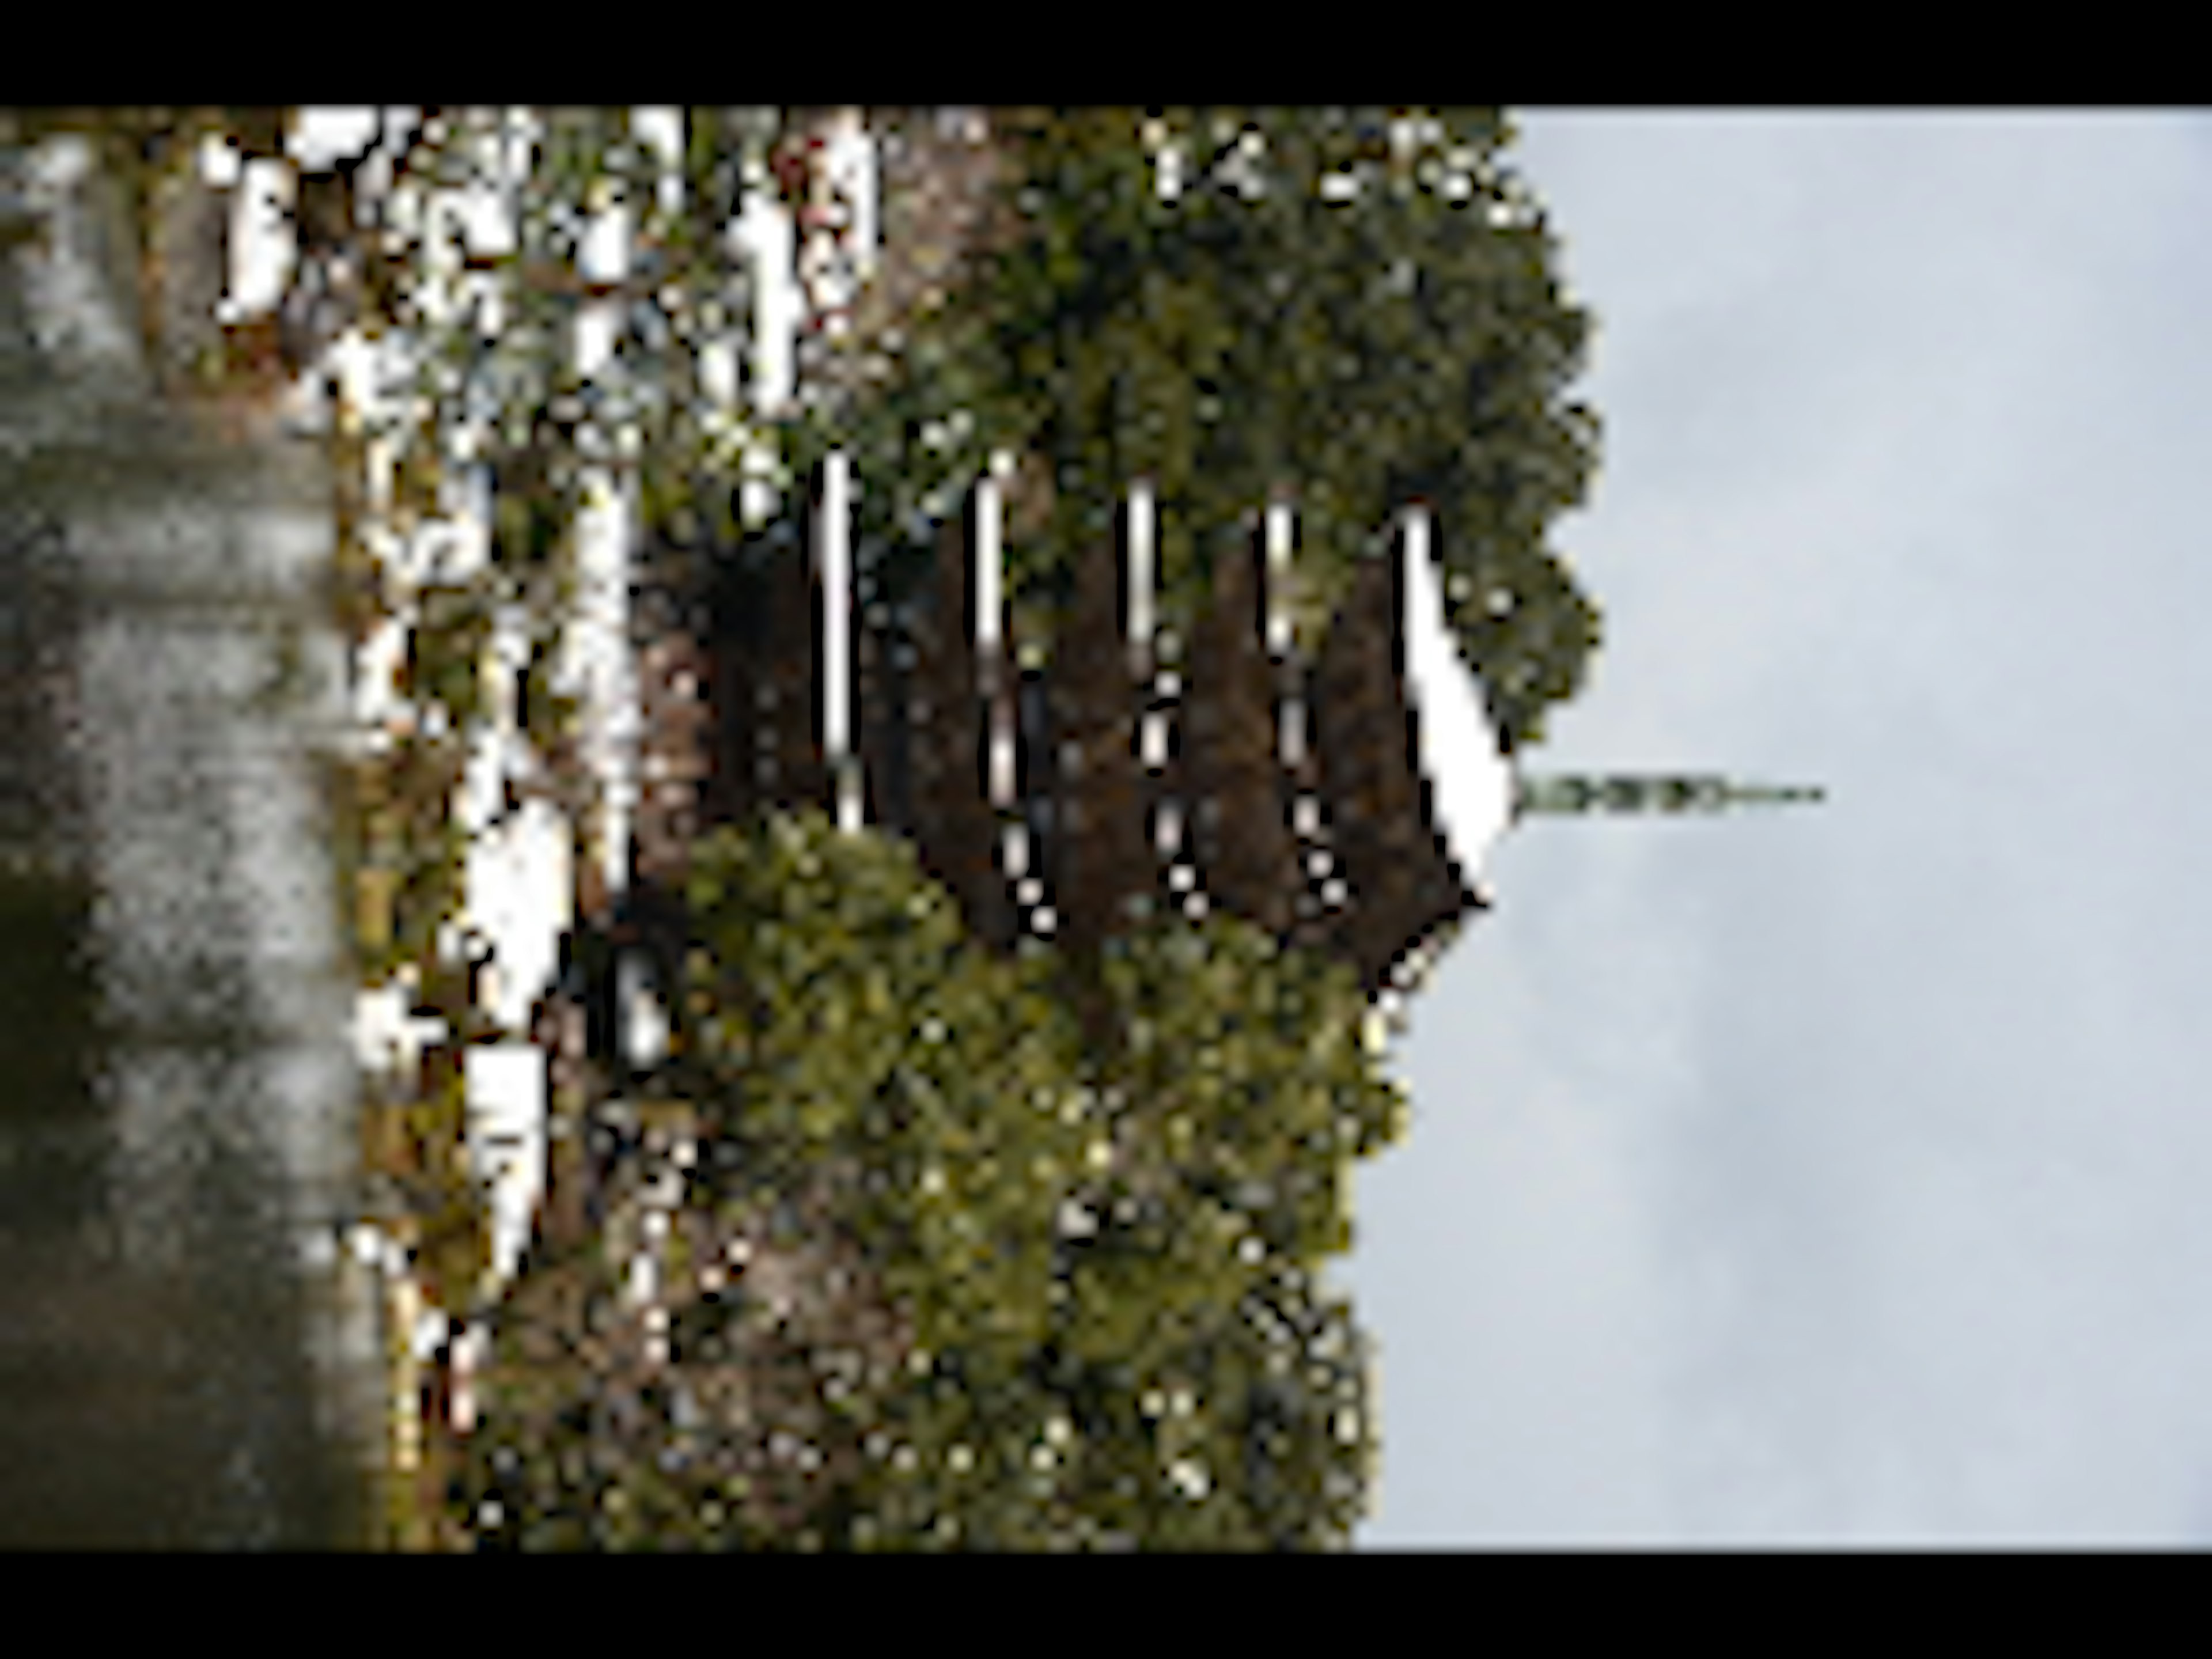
(1323, 837)
(1324, 840)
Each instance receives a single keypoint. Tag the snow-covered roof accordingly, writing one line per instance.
(1470, 779)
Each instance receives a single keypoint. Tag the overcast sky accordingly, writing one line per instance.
(1838, 1173)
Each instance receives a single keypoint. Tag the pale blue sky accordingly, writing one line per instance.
(1836, 1173)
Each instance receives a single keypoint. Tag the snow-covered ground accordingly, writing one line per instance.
(521, 881)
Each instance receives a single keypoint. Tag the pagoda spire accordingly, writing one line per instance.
(1583, 794)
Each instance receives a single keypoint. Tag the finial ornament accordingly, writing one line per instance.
(1580, 795)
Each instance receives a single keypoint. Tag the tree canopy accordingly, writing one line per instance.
(1099, 1267)
(1351, 308)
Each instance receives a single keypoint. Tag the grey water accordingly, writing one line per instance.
(188, 1358)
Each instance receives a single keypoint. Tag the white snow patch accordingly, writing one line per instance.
(506, 1091)
(1471, 780)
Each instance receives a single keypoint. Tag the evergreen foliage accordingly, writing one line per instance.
(1344, 306)
(1100, 1266)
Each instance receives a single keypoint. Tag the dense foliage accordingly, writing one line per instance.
(1100, 1267)
(1343, 307)
(1067, 1290)
(1350, 307)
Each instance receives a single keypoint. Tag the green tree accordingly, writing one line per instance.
(1353, 313)
(1086, 1271)
(1352, 306)
(1073, 1256)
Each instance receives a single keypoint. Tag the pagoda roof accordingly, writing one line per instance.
(1470, 777)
